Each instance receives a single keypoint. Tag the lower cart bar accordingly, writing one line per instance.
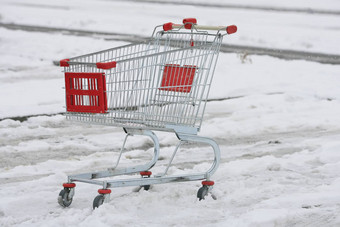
(143, 181)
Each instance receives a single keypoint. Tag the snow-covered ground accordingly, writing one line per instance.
(302, 31)
(279, 136)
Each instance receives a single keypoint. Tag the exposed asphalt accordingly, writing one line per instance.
(26, 117)
(225, 48)
(243, 7)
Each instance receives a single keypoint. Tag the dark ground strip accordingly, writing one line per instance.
(248, 50)
(246, 7)
(25, 118)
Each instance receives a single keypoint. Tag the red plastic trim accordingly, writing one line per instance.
(145, 173)
(106, 65)
(178, 78)
(167, 26)
(104, 191)
(85, 92)
(188, 22)
(208, 183)
(69, 185)
(231, 29)
(64, 63)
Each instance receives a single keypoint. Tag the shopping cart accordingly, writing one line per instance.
(159, 85)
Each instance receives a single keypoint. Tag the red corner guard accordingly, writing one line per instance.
(167, 26)
(106, 65)
(231, 29)
(69, 185)
(64, 63)
(104, 191)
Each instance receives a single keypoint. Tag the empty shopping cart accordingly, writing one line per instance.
(159, 85)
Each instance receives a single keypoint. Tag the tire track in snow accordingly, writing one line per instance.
(261, 146)
(225, 48)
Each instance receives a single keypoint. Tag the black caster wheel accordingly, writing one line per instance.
(202, 192)
(66, 195)
(146, 187)
(104, 196)
(98, 201)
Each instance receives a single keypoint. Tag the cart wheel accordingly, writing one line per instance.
(64, 198)
(202, 192)
(98, 201)
(146, 187)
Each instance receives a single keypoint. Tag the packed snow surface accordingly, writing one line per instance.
(277, 122)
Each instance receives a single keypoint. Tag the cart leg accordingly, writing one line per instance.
(136, 169)
(171, 159)
(212, 143)
(121, 152)
(207, 185)
(87, 177)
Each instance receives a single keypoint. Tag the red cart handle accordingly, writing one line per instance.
(99, 65)
(189, 22)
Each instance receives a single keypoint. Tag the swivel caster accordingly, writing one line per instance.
(205, 190)
(103, 197)
(66, 195)
(146, 174)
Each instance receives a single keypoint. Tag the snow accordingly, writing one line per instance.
(286, 30)
(278, 124)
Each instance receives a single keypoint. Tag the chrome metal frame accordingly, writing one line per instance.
(156, 179)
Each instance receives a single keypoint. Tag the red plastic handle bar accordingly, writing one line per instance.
(189, 22)
(106, 65)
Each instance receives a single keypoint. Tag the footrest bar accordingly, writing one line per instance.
(142, 181)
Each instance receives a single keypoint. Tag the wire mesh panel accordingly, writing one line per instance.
(163, 82)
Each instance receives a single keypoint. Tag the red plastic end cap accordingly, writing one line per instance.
(64, 63)
(69, 185)
(231, 29)
(104, 191)
(188, 22)
(208, 183)
(167, 26)
(106, 65)
(145, 173)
